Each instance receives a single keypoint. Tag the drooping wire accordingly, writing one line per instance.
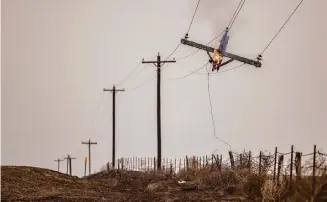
(231, 20)
(282, 27)
(189, 74)
(212, 116)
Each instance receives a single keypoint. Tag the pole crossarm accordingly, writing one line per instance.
(89, 143)
(225, 54)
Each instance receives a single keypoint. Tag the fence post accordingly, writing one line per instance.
(275, 161)
(298, 163)
(260, 156)
(175, 165)
(212, 157)
(291, 168)
(187, 166)
(280, 162)
(232, 163)
(314, 171)
(249, 161)
(221, 161)
(179, 165)
(154, 165)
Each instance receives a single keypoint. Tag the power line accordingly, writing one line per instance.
(282, 27)
(129, 74)
(229, 69)
(145, 82)
(189, 74)
(212, 116)
(193, 16)
(222, 70)
(187, 30)
(232, 22)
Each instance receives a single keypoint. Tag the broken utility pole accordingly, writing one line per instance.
(220, 52)
(113, 90)
(158, 63)
(89, 143)
(59, 160)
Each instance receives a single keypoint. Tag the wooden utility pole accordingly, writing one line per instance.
(89, 143)
(58, 161)
(67, 159)
(158, 64)
(69, 164)
(114, 91)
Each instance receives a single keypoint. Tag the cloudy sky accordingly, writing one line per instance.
(58, 55)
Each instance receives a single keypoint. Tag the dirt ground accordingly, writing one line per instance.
(21, 183)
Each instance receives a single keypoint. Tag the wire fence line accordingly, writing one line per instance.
(273, 165)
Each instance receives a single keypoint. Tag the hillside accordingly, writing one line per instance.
(36, 184)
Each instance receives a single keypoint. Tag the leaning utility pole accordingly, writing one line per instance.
(158, 64)
(59, 160)
(222, 52)
(113, 90)
(89, 143)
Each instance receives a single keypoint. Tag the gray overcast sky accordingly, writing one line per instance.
(57, 55)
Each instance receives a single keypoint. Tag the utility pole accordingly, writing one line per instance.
(158, 64)
(67, 159)
(114, 90)
(221, 52)
(69, 164)
(59, 160)
(89, 143)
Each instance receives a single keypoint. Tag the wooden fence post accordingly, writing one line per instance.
(187, 165)
(220, 161)
(249, 161)
(314, 170)
(260, 156)
(291, 167)
(231, 157)
(298, 163)
(280, 162)
(275, 162)
(154, 165)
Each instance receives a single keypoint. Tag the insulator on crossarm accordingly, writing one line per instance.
(186, 36)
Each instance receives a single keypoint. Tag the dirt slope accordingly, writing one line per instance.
(20, 183)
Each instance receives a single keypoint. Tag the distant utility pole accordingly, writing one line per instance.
(67, 159)
(69, 164)
(59, 160)
(158, 64)
(89, 143)
(114, 90)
